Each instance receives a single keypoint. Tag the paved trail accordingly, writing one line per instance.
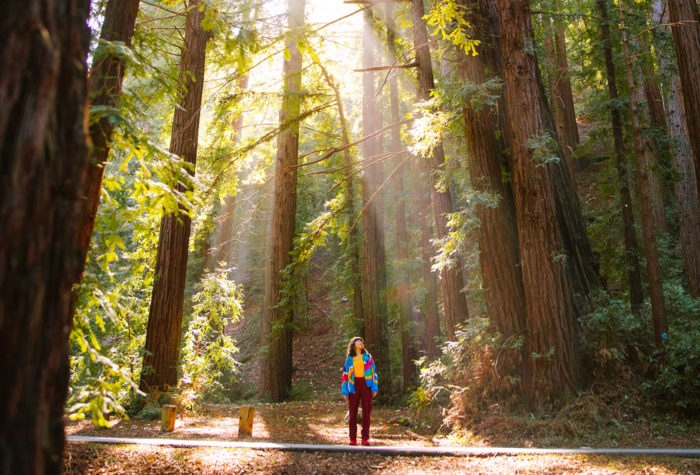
(386, 450)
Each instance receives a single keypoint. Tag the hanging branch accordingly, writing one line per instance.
(381, 187)
(335, 150)
(237, 154)
(384, 68)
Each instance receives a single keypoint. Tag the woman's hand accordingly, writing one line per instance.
(345, 397)
(374, 395)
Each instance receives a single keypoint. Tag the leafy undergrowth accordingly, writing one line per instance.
(612, 416)
(94, 458)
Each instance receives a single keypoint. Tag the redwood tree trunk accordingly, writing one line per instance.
(632, 251)
(375, 311)
(560, 93)
(452, 282)
(497, 234)
(431, 314)
(686, 36)
(657, 155)
(276, 329)
(165, 314)
(43, 145)
(554, 367)
(648, 232)
(408, 347)
(685, 187)
(498, 240)
(106, 79)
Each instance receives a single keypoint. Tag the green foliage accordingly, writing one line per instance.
(208, 353)
(620, 345)
(613, 338)
(474, 370)
(544, 149)
(676, 384)
(301, 391)
(448, 18)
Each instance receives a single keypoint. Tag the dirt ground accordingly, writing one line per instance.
(96, 458)
(321, 422)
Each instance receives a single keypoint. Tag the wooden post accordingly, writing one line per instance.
(167, 420)
(245, 421)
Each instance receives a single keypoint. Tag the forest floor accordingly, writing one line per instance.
(317, 417)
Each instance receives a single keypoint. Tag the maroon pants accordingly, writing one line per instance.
(362, 394)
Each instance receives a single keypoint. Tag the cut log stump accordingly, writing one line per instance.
(245, 422)
(167, 420)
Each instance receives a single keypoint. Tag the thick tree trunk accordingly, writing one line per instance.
(657, 154)
(452, 282)
(650, 247)
(686, 36)
(497, 234)
(685, 187)
(554, 368)
(276, 328)
(43, 145)
(429, 308)
(562, 125)
(408, 347)
(375, 310)
(106, 79)
(561, 96)
(632, 251)
(165, 314)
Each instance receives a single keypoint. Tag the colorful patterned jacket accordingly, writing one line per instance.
(370, 375)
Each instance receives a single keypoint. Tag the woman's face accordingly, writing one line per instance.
(358, 345)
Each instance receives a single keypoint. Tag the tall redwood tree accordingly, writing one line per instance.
(165, 314)
(632, 250)
(106, 78)
(276, 328)
(43, 145)
(685, 19)
(497, 234)
(554, 367)
(451, 281)
(374, 292)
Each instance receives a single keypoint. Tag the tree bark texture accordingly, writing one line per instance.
(106, 77)
(497, 234)
(650, 247)
(276, 328)
(44, 150)
(429, 308)
(555, 367)
(165, 314)
(686, 36)
(657, 152)
(408, 347)
(561, 96)
(685, 187)
(451, 281)
(632, 250)
(374, 292)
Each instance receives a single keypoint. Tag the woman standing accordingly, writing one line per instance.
(359, 386)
